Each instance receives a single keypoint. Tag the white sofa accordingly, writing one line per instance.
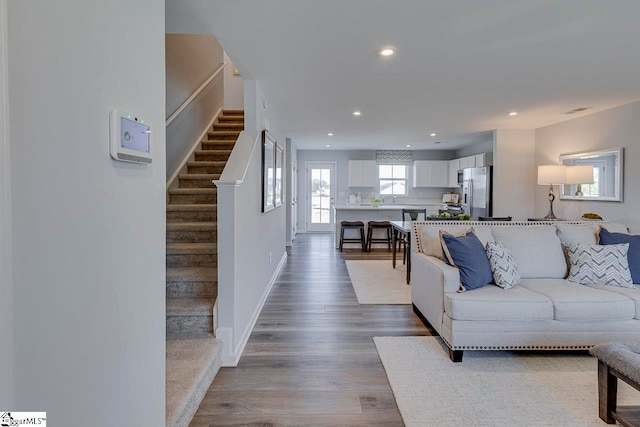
(545, 311)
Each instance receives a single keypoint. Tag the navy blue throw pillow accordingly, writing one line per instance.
(467, 253)
(633, 255)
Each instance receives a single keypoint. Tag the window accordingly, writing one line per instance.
(393, 179)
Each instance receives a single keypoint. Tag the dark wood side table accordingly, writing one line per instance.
(402, 229)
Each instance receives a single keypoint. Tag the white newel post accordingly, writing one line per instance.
(226, 269)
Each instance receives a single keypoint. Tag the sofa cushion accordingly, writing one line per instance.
(615, 228)
(503, 267)
(577, 233)
(599, 264)
(633, 255)
(430, 237)
(493, 303)
(631, 293)
(467, 253)
(536, 250)
(572, 301)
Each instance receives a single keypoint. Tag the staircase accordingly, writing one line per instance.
(193, 354)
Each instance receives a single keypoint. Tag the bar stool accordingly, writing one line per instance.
(378, 225)
(357, 225)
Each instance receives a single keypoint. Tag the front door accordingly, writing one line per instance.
(321, 188)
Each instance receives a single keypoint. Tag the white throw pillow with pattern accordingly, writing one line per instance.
(503, 266)
(599, 265)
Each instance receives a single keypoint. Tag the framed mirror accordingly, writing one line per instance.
(605, 185)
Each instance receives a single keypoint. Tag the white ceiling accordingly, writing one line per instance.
(459, 68)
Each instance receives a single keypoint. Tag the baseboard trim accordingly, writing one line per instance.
(254, 318)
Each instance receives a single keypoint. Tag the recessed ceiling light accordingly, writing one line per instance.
(330, 134)
(328, 145)
(408, 145)
(386, 51)
(357, 113)
(433, 134)
(513, 113)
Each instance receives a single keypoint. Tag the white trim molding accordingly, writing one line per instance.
(6, 238)
(234, 357)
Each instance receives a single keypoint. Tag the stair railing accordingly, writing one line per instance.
(195, 94)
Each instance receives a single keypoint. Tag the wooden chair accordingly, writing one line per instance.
(413, 216)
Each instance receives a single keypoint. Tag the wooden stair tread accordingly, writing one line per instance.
(191, 248)
(212, 151)
(193, 360)
(211, 190)
(233, 112)
(190, 274)
(173, 226)
(224, 132)
(219, 141)
(229, 125)
(190, 306)
(192, 207)
(206, 163)
(199, 176)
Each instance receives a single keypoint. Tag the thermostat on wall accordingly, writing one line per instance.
(130, 139)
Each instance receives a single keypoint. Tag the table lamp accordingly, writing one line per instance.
(579, 174)
(551, 175)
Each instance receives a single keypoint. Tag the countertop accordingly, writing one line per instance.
(386, 207)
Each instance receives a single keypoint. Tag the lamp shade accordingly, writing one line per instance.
(552, 174)
(580, 174)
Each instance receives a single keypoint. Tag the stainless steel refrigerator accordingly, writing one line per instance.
(476, 191)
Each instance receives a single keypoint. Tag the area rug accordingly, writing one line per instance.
(492, 388)
(377, 282)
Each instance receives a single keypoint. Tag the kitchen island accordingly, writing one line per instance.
(385, 212)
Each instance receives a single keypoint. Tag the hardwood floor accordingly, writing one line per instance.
(310, 360)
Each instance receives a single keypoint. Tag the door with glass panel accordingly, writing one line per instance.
(321, 187)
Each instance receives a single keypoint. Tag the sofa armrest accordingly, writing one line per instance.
(431, 278)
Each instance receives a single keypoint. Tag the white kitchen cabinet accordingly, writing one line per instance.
(454, 166)
(431, 173)
(467, 162)
(362, 173)
(480, 160)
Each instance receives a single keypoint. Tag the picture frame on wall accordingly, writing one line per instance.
(268, 171)
(278, 175)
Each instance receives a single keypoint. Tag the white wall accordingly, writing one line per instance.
(89, 232)
(478, 148)
(613, 128)
(514, 173)
(6, 276)
(190, 61)
(233, 87)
